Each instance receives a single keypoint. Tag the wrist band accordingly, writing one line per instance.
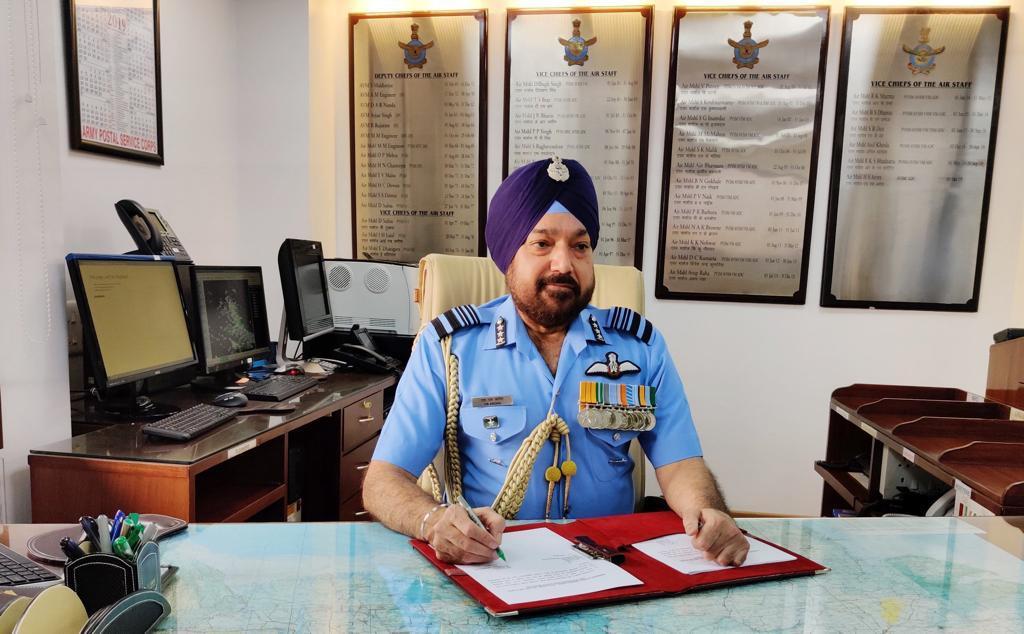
(423, 522)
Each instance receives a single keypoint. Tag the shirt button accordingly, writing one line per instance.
(494, 437)
(616, 436)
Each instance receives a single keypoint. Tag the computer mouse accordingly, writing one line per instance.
(295, 371)
(231, 399)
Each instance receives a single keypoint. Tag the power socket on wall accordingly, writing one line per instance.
(76, 348)
(74, 328)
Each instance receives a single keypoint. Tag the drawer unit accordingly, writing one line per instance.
(362, 420)
(353, 468)
(352, 509)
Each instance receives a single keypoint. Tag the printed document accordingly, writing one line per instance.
(678, 552)
(543, 565)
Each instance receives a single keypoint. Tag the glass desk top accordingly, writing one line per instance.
(125, 441)
(888, 574)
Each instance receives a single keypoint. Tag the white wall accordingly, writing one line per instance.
(236, 130)
(34, 371)
(759, 376)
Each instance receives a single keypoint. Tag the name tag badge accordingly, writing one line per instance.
(491, 401)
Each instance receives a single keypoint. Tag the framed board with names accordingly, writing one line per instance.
(915, 131)
(577, 85)
(741, 148)
(112, 59)
(418, 113)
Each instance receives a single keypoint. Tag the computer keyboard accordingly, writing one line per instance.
(279, 387)
(189, 423)
(16, 570)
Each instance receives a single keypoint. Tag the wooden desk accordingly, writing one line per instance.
(239, 471)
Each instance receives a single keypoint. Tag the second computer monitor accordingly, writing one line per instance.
(307, 308)
(230, 315)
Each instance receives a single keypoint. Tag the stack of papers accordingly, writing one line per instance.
(542, 565)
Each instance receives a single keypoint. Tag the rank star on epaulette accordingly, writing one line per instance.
(596, 329)
(614, 368)
(500, 338)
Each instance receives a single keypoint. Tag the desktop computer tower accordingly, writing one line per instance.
(378, 296)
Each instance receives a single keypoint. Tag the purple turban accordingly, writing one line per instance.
(526, 195)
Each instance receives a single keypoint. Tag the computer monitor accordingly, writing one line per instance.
(133, 317)
(230, 316)
(307, 308)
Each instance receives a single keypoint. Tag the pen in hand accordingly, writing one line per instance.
(476, 520)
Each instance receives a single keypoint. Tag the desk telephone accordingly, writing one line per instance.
(152, 234)
(365, 356)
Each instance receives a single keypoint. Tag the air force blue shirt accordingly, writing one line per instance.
(498, 359)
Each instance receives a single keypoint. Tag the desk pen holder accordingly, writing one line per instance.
(100, 579)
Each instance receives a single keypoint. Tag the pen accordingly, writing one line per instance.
(103, 528)
(115, 525)
(71, 550)
(476, 520)
(90, 527)
(122, 549)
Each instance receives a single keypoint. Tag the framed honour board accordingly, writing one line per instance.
(741, 149)
(418, 113)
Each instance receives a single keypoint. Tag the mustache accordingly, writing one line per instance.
(566, 279)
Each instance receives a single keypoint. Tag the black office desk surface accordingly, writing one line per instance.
(125, 441)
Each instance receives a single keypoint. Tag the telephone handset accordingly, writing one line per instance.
(149, 230)
(365, 356)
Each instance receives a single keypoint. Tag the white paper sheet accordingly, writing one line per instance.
(678, 552)
(543, 565)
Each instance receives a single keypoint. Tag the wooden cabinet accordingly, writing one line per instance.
(968, 445)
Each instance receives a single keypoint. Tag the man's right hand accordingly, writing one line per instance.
(457, 540)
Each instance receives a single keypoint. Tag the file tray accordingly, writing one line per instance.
(620, 531)
(100, 579)
(931, 437)
(887, 413)
(853, 396)
(995, 469)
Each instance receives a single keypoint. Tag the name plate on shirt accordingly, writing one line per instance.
(491, 401)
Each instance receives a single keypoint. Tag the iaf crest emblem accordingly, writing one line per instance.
(745, 52)
(577, 49)
(922, 56)
(415, 51)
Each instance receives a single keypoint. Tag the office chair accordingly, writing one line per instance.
(452, 280)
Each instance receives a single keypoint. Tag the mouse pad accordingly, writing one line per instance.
(45, 547)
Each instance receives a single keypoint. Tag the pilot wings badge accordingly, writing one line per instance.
(577, 49)
(415, 51)
(922, 56)
(745, 52)
(613, 368)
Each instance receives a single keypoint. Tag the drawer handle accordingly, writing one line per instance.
(363, 466)
(367, 419)
(360, 513)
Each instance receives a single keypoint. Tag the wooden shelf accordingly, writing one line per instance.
(236, 502)
(845, 484)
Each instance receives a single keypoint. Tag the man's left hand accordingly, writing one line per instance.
(715, 533)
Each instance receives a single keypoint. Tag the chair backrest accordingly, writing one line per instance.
(453, 280)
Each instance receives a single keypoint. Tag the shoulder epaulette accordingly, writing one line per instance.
(628, 320)
(455, 319)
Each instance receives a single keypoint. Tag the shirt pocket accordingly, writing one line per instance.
(610, 453)
(493, 425)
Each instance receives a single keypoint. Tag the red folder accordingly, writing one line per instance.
(618, 531)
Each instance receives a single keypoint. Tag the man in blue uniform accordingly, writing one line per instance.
(536, 395)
